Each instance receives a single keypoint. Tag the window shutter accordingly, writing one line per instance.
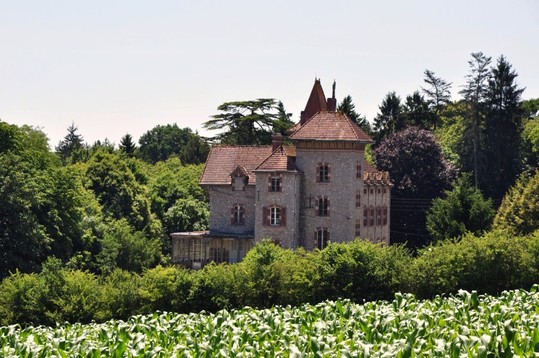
(317, 206)
(283, 216)
(327, 207)
(232, 215)
(315, 238)
(318, 173)
(242, 215)
(281, 182)
(372, 216)
(265, 216)
(385, 215)
(269, 181)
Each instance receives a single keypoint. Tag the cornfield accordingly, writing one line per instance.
(462, 325)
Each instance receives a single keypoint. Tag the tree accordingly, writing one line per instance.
(475, 97)
(416, 112)
(245, 122)
(389, 120)
(282, 122)
(519, 212)
(464, 209)
(187, 215)
(419, 173)
(195, 150)
(69, 148)
(438, 94)
(118, 191)
(502, 129)
(127, 145)
(162, 142)
(347, 107)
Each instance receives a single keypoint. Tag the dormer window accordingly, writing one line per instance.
(238, 183)
(240, 178)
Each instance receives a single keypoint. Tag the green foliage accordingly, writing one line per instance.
(464, 209)
(127, 145)
(119, 192)
(438, 93)
(462, 325)
(519, 212)
(489, 264)
(348, 107)
(71, 148)
(163, 142)
(126, 249)
(249, 122)
(390, 118)
(187, 215)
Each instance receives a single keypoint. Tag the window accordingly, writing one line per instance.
(379, 215)
(322, 175)
(365, 216)
(384, 216)
(358, 227)
(371, 216)
(275, 183)
(358, 169)
(322, 208)
(358, 198)
(364, 190)
(321, 237)
(238, 183)
(237, 215)
(274, 216)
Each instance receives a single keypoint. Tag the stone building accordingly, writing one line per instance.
(317, 190)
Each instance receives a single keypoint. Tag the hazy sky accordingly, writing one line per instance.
(115, 67)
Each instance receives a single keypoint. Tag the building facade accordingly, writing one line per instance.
(318, 190)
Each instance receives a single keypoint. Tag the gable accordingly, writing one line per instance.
(223, 160)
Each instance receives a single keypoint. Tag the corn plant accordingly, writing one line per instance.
(462, 325)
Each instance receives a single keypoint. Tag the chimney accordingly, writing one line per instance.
(276, 141)
(332, 102)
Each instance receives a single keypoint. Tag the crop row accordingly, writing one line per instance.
(461, 325)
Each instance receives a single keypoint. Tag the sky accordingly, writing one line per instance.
(124, 66)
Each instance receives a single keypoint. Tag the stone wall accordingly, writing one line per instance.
(222, 199)
(340, 190)
(287, 235)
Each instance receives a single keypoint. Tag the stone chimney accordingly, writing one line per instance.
(332, 102)
(276, 141)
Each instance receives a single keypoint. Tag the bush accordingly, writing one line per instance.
(488, 264)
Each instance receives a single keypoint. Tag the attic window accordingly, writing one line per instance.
(238, 183)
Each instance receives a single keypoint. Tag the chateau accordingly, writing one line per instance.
(316, 190)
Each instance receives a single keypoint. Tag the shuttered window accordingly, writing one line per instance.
(274, 216)
(322, 173)
(322, 206)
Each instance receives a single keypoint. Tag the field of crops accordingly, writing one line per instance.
(464, 325)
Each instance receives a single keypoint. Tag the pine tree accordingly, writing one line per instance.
(438, 94)
(72, 143)
(127, 145)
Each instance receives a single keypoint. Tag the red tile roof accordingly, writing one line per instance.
(330, 126)
(282, 159)
(222, 160)
(316, 102)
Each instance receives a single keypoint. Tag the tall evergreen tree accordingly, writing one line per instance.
(127, 145)
(390, 119)
(347, 107)
(71, 144)
(416, 111)
(502, 130)
(474, 94)
(438, 93)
